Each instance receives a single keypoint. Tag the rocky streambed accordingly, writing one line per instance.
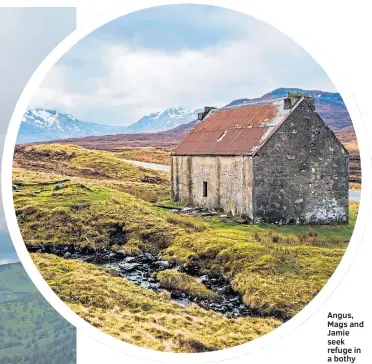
(142, 270)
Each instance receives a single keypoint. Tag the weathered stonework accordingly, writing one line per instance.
(301, 173)
(229, 181)
(297, 174)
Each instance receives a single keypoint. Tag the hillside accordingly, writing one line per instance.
(92, 206)
(30, 330)
(167, 139)
(14, 282)
(329, 105)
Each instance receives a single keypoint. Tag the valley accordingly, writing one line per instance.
(110, 242)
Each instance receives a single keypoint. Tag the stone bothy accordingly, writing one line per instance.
(271, 161)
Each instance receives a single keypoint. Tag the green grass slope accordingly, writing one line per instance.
(277, 269)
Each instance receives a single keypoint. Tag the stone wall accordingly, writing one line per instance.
(301, 173)
(229, 181)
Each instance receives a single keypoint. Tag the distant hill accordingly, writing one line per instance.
(48, 124)
(40, 125)
(329, 105)
(168, 119)
(14, 282)
(165, 139)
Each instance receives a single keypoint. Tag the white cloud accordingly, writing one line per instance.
(119, 84)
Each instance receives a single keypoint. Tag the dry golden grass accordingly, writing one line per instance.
(183, 283)
(152, 155)
(46, 162)
(142, 317)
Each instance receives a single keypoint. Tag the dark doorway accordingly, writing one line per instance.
(205, 189)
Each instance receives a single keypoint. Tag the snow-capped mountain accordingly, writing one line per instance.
(47, 124)
(161, 121)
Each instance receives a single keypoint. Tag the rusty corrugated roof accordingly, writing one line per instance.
(237, 130)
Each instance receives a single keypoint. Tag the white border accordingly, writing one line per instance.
(76, 320)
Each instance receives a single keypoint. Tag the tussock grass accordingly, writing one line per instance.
(277, 269)
(183, 283)
(36, 162)
(152, 155)
(187, 222)
(88, 217)
(142, 317)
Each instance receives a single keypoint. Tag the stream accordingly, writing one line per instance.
(142, 269)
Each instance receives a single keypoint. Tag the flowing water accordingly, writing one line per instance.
(142, 269)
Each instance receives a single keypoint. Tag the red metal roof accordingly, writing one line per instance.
(238, 130)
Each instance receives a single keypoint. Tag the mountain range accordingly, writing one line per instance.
(40, 124)
(47, 124)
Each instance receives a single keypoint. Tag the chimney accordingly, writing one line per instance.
(292, 99)
(287, 103)
(200, 115)
(207, 109)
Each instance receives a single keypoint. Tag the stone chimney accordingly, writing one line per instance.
(203, 114)
(292, 99)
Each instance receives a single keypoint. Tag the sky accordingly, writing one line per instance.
(170, 56)
(27, 35)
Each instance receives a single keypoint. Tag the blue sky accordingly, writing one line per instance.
(176, 55)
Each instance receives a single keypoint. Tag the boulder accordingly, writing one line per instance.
(148, 257)
(121, 254)
(162, 264)
(128, 267)
(129, 259)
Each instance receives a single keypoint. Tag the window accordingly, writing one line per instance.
(205, 189)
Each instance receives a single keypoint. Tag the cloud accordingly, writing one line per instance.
(23, 26)
(117, 79)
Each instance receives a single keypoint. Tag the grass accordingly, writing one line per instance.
(187, 222)
(152, 155)
(142, 317)
(96, 217)
(44, 162)
(277, 269)
(183, 283)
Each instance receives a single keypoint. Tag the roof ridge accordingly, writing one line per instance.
(253, 102)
